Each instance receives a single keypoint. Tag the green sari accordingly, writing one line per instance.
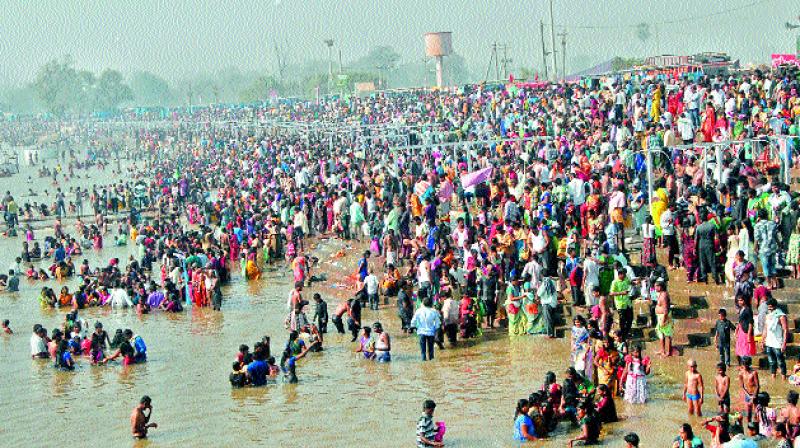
(517, 321)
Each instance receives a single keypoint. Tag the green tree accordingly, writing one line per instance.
(111, 90)
(384, 59)
(59, 86)
(151, 90)
(455, 67)
(260, 89)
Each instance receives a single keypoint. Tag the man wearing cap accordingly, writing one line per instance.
(426, 429)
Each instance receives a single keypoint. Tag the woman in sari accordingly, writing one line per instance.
(532, 310)
(605, 363)
(198, 288)
(745, 341)
(743, 277)
(580, 344)
(548, 300)
(517, 321)
(251, 269)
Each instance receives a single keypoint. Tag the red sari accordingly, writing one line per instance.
(199, 296)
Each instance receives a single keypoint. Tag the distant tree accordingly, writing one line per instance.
(384, 59)
(21, 100)
(151, 90)
(59, 86)
(625, 63)
(110, 90)
(456, 69)
(260, 89)
(526, 73)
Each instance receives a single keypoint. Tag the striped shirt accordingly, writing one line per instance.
(425, 428)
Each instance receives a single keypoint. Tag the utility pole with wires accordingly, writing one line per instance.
(553, 42)
(544, 49)
(492, 58)
(505, 61)
(563, 36)
(498, 62)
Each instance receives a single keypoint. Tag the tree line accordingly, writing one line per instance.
(61, 88)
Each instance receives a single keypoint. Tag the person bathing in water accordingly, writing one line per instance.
(140, 418)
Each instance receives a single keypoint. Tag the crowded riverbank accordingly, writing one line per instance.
(535, 251)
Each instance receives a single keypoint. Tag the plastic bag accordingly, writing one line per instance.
(440, 430)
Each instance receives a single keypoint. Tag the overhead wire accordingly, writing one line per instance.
(666, 22)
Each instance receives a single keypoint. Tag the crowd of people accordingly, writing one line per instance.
(517, 206)
(65, 345)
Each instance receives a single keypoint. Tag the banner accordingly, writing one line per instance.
(476, 177)
(784, 59)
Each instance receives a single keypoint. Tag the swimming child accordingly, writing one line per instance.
(6, 326)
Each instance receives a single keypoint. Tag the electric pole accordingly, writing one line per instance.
(329, 44)
(496, 62)
(553, 42)
(506, 60)
(493, 57)
(563, 54)
(544, 49)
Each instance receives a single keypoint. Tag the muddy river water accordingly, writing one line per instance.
(341, 399)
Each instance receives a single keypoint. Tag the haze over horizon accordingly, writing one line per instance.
(183, 38)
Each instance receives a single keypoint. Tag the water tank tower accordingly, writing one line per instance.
(437, 46)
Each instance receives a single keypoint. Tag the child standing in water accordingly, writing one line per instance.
(693, 389)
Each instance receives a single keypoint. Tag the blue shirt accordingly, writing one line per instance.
(426, 321)
(363, 268)
(59, 255)
(258, 372)
(523, 419)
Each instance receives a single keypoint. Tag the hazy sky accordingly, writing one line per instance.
(177, 38)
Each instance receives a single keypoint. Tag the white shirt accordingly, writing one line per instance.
(119, 298)
(591, 272)
(577, 192)
(685, 128)
(450, 311)
(423, 272)
(371, 281)
(37, 345)
(667, 223)
(648, 230)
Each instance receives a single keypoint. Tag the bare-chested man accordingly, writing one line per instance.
(664, 324)
(748, 378)
(693, 389)
(791, 415)
(140, 421)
